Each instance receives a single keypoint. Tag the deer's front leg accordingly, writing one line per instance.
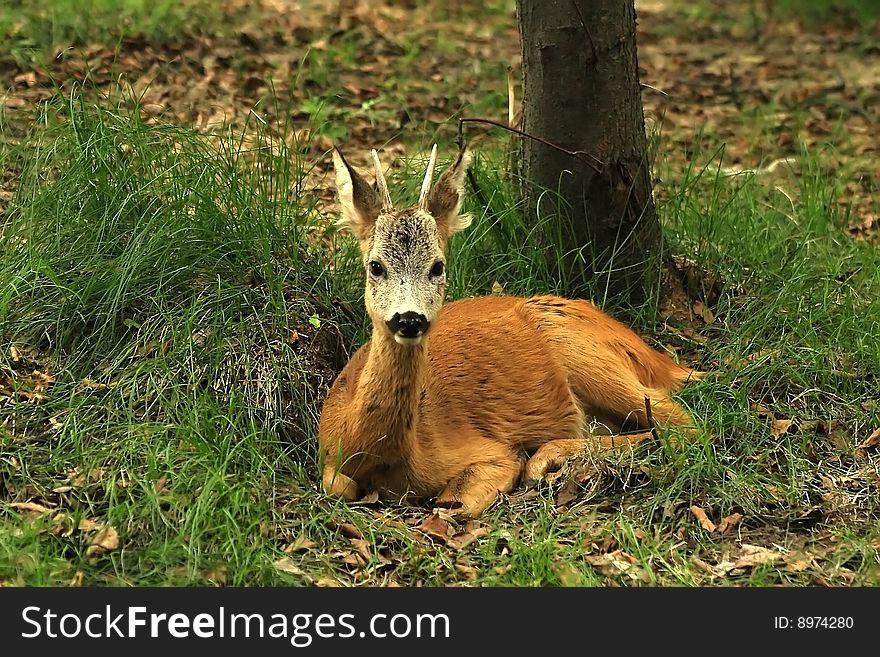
(552, 455)
(472, 491)
(340, 485)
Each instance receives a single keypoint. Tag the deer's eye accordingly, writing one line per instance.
(437, 269)
(376, 268)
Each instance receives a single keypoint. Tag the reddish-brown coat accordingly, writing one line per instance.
(496, 378)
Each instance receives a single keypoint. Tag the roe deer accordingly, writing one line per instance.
(457, 402)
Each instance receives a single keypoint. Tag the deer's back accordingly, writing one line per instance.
(490, 371)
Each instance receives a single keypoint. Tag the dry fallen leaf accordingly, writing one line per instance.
(703, 519)
(870, 441)
(702, 565)
(106, 540)
(467, 571)
(618, 563)
(582, 481)
(350, 558)
(461, 540)
(301, 543)
(779, 427)
(290, 567)
(821, 581)
(362, 548)
(701, 310)
(40, 380)
(798, 562)
(774, 492)
(86, 525)
(729, 522)
(723, 567)
(77, 579)
(328, 582)
(217, 575)
(64, 524)
(755, 555)
(606, 544)
(350, 531)
(78, 478)
(30, 506)
(436, 528)
(760, 409)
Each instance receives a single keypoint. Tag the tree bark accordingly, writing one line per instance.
(581, 92)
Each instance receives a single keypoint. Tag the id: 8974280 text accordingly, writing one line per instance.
(813, 622)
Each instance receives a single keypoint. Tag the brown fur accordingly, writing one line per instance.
(495, 379)
(497, 376)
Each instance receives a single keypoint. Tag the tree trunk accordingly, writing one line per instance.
(581, 92)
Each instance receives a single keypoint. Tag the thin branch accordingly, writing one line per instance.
(596, 164)
(650, 417)
(472, 179)
(586, 29)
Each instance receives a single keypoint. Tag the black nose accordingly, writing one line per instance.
(408, 325)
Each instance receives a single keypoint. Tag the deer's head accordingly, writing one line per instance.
(404, 251)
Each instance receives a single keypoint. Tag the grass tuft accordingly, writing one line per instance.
(164, 282)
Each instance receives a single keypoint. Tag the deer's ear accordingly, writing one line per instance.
(444, 200)
(358, 201)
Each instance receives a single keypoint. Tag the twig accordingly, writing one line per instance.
(596, 164)
(472, 179)
(650, 417)
(586, 29)
(648, 86)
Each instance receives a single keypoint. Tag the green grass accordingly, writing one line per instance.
(816, 12)
(758, 17)
(34, 28)
(157, 276)
(161, 274)
(48, 24)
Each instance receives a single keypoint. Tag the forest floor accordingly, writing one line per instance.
(763, 133)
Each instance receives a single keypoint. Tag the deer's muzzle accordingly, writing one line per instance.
(408, 325)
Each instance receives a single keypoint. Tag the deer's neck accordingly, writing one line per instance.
(390, 390)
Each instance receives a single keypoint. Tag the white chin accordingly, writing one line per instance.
(399, 339)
